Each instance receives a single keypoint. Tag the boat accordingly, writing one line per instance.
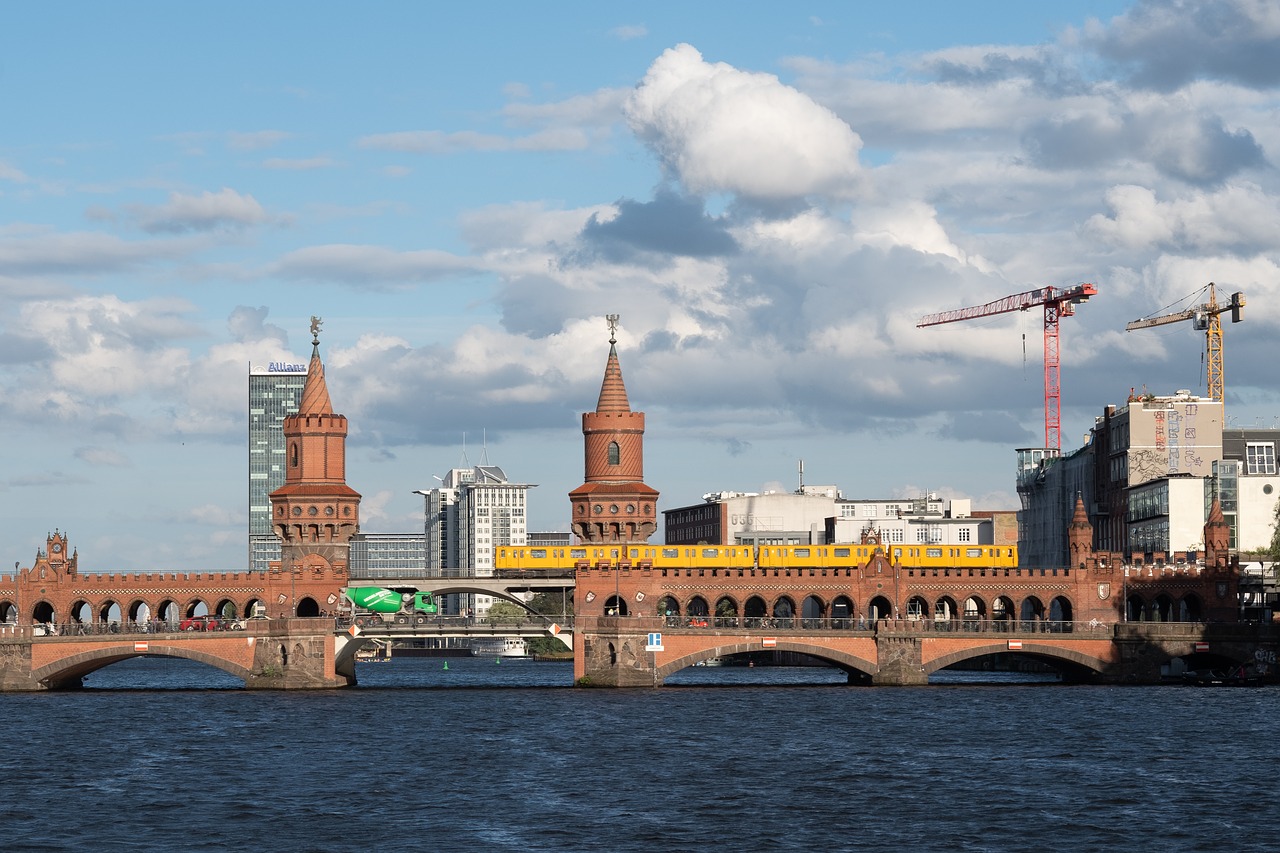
(373, 654)
(1238, 677)
(500, 647)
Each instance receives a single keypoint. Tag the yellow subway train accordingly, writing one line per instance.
(560, 560)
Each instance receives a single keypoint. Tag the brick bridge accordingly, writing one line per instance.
(612, 651)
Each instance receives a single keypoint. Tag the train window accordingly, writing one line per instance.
(933, 552)
(973, 552)
(635, 553)
(613, 552)
(802, 552)
(842, 552)
(578, 553)
(671, 552)
(711, 552)
(538, 553)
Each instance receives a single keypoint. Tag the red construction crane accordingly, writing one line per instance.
(1060, 303)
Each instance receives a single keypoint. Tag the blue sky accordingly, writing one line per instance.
(770, 195)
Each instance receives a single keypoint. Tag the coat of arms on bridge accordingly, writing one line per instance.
(1104, 591)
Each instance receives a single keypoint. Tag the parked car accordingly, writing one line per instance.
(202, 623)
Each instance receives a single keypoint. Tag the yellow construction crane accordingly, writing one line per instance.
(1207, 317)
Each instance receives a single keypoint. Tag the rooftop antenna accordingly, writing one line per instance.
(800, 490)
(484, 447)
(465, 462)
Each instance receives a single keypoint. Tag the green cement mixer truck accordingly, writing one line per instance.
(372, 605)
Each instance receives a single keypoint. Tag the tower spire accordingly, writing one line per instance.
(613, 504)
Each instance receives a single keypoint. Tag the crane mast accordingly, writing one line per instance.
(1057, 304)
(1207, 318)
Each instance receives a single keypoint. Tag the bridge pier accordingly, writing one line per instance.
(613, 655)
(900, 662)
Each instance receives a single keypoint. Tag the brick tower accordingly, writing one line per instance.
(614, 505)
(315, 513)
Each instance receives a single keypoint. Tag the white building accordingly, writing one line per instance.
(818, 515)
(471, 513)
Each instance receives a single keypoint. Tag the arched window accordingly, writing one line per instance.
(613, 453)
(293, 455)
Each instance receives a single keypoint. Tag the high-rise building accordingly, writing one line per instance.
(274, 393)
(472, 512)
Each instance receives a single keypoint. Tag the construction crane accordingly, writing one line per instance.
(1207, 318)
(1057, 304)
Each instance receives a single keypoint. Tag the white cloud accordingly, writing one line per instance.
(719, 129)
(205, 212)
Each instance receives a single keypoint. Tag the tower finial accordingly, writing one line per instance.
(613, 328)
(316, 323)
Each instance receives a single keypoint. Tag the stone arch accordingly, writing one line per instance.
(1003, 613)
(308, 608)
(168, 612)
(1031, 614)
(44, 613)
(753, 611)
(669, 606)
(784, 611)
(8, 612)
(726, 612)
(973, 613)
(109, 610)
(917, 608)
(842, 612)
(1061, 614)
(226, 607)
(1162, 609)
(1073, 659)
(69, 671)
(813, 612)
(195, 607)
(615, 605)
(945, 613)
(858, 669)
(879, 609)
(1190, 608)
(698, 607)
(80, 612)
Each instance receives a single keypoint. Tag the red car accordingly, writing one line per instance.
(202, 623)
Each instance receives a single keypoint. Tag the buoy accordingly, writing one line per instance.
(446, 664)
(497, 660)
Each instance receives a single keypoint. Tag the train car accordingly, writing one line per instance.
(525, 559)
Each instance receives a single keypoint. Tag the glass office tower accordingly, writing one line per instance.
(274, 394)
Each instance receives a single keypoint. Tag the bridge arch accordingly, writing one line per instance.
(69, 671)
(43, 612)
(669, 606)
(879, 608)
(727, 608)
(307, 607)
(8, 611)
(1074, 663)
(857, 668)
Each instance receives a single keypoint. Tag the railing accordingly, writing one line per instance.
(491, 626)
(889, 626)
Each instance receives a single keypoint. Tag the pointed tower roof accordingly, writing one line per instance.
(613, 393)
(315, 394)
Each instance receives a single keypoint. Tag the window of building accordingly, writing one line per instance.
(964, 534)
(868, 510)
(1260, 457)
(613, 453)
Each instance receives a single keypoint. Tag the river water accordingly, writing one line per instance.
(160, 754)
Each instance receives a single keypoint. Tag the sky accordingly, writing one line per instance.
(769, 195)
